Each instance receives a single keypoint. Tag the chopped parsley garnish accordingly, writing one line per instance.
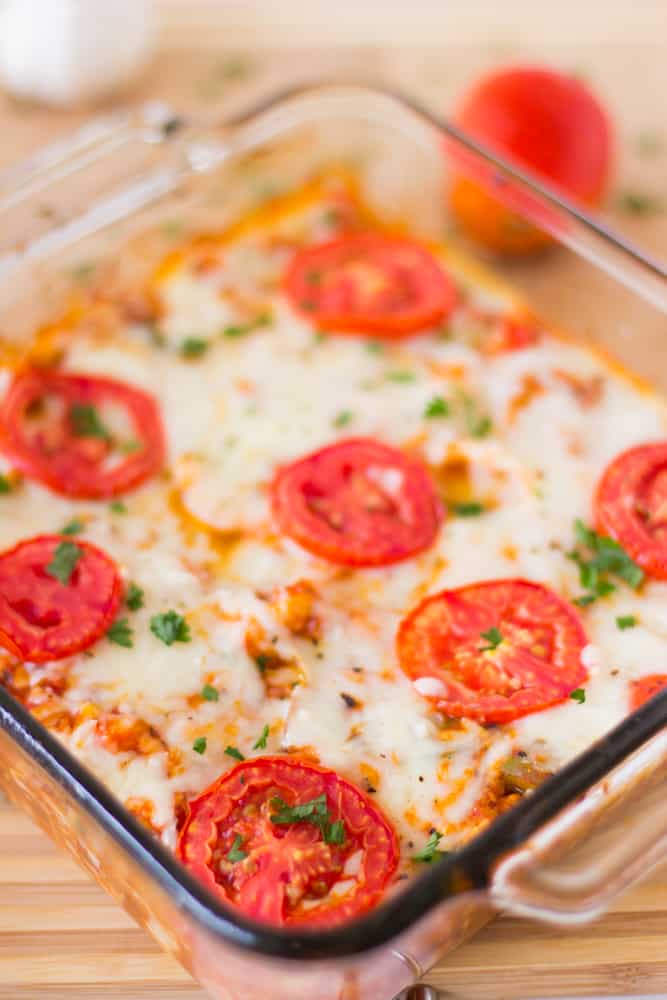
(471, 509)
(117, 507)
(374, 346)
(343, 418)
(241, 329)
(478, 424)
(260, 742)
(315, 811)
(5, 485)
(626, 621)
(194, 347)
(436, 407)
(493, 637)
(199, 745)
(86, 422)
(210, 693)
(63, 561)
(134, 597)
(598, 558)
(578, 695)
(170, 627)
(234, 752)
(236, 854)
(430, 851)
(637, 203)
(262, 661)
(73, 527)
(84, 271)
(400, 376)
(121, 633)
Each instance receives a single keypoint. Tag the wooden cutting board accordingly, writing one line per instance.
(61, 938)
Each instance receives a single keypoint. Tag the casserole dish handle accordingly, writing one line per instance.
(574, 867)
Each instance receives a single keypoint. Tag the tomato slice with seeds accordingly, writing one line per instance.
(358, 502)
(493, 651)
(43, 618)
(631, 505)
(645, 688)
(286, 873)
(82, 436)
(370, 283)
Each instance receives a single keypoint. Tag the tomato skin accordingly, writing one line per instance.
(328, 503)
(645, 688)
(369, 283)
(630, 505)
(537, 118)
(70, 465)
(537, 664)
(42, 619)
(287, 864)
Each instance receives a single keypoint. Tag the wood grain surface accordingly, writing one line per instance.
(61, 938)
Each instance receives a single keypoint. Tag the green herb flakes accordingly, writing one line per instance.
(117, 507)
(471, 509)
(260, 742)
(134, 597)
(86, 422)
(236, 854)
(5, 485)
(315, 811)
(578, 695)
(494, 637)
(598, 558)
(193, 347)
(234, 752)
(63, 561)
(121, 633)
(73, 527)
(200, 744)
(343, 418)
(170, 627)
(626, 621)
(436, 408)
(430, 851)
(210, 693)
(638, 203)
(401, 377)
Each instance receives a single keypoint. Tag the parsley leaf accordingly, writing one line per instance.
(578, 695)
(430, 851)
(436, 407)
(343, 418)
(5, 485)
(121, 633)
(199, 745)
(241, 329)
(128, 448)
(374, 346)
(86, 422)
(117, 507)
(478, 424)
(260, 743)
(170, 627)
(73, 527)
(63, 561)
(638, 203)
(493, 636)
(210, 693)
(315, 811)
(134, 597)
(234, 752)
(400, 376)
(193, 347)
(598, 558)
(626, 621)
(236, 854)
(467, 509)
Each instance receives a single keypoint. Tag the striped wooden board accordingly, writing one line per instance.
(61, 938)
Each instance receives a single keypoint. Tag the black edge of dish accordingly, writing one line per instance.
(472, 865)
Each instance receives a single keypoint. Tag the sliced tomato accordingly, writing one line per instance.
(645, 688)
(289, 873)
(370, 283)
(631, 505)
(357, 502)
(43, 618)
(493, 651)
(537, 118)
(61, 429)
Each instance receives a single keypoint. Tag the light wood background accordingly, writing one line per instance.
(60, 936)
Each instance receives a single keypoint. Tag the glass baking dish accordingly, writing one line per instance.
(565, 851)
